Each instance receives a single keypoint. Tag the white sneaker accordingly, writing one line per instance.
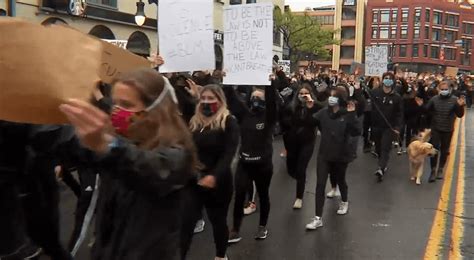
(343, 208)
(250, 209)
(199, 226)
(333, 193)
(315, 223)
(298, 204)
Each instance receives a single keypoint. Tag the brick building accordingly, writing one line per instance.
(423, 35)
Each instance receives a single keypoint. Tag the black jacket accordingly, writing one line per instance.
(138, 211)
(336, 132)
(443, 111)
(386, 107)
(298, 123)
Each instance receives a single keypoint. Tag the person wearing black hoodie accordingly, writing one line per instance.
(256, 152)
(300, 137)
(387, 120)
(411, 117)
(337, 125)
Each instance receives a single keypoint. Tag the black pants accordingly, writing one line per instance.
(216, 205)
(297, 160)
(262, 174)
(408, 131)
(336, 169)
(441, 141)
(366, 127)
(383, 138)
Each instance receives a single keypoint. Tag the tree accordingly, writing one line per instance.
(303, 35)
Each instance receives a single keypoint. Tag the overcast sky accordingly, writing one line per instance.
(299, 5)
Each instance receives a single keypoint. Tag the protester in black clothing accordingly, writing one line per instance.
(387, 119)
(411, 117)
(337, 125)
(216, 135)
(444, 109)
(144, 167)
(185, 93)
(372, 83)
(255, 157)
(300, 137)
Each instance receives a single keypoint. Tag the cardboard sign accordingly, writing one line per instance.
(285, 65)
(376, 60)
(248, 34)
(41, 67)
(451, 72)
(186, 35)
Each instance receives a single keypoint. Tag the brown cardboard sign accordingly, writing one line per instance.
(451, 72)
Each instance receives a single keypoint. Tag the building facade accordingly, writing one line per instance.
(423, 35)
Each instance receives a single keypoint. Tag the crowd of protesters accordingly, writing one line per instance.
(162, 148)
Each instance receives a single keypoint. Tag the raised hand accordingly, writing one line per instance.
(419, 101)
(462, 101)
(193, 88)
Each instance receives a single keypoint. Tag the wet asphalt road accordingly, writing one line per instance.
(389, 220)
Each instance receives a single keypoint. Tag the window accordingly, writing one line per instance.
(110, 3)
(383, 33)
(375, 16)
(425, 51)
(403, 51)
(235, 2)
(467, 43)
(394, 16)
(436, 35)
(374, 32)
(276, 36)
(468, 28)
(324, 19)
(347, 52)
(450, 36)
(251, 1)
(416, 33)
(466, 60)
(427, 33)
(404, 33)
(348, 33)
(452, 20)
(393, 33)
(348, 13)
(434, 52)
(417, 16)
(427, 15)
(393, 49)
(385, 16)
(415, 50)
(405, 15)
(449, 54)
(438, 18)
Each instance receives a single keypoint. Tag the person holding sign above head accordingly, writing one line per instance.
(300, 137)
(145, 165)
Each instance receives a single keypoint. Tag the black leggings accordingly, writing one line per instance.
(336, 169)
(262, 174)
(297, 160)
(383, 138)
(441, 141)
(366, 127)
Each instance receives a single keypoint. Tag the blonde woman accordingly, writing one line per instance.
(216, 135)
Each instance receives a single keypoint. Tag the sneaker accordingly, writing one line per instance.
(343, 208)
(199, 226)
(375, 154)
(262, 233)
(380, 173)
(298, 204)
(250, 209)
(333, 193)
(234, 237)
(418, 181)
(395, 144)
(315, 223)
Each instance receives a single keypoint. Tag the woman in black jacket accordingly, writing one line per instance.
(143, 168)
(337, 125)
(300, 137)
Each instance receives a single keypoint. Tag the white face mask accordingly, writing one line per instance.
(333, 101)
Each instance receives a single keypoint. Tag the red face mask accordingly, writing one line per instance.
(209, 109)
(121, 120)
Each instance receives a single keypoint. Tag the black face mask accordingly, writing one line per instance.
(257, 104)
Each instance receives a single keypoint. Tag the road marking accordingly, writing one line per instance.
(438, 229)
(457, 232)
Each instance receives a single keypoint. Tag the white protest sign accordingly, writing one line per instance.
(376, 60)
(186, 35)
(248, 43)
(119, 43)
(285, 65)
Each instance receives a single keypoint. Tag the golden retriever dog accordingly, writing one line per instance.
(417, 152)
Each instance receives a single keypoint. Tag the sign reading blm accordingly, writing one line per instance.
(248, 34)
(186, 34)
(376, 60)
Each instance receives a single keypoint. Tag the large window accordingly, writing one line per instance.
(385, 16)
(394, 17)
(383, 33)
(417, 16)
(415, 50)
(348, 13)
(348, 33)
(434, 52)
(450, 36)
(427, 16)
(325, 19)
(404, 33)
(450, 54)
(452, 20)
(436, 35)
(235, 2)
(416, 33)
(110, 3)
(405, 13)
(438, 18)
(466, 60)
(375, 31)
(468, 28)
(375, 16)
(393, 33)
(467, 44)
(427, 33)
(425, 51)
(403, 50)
(347, 52)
